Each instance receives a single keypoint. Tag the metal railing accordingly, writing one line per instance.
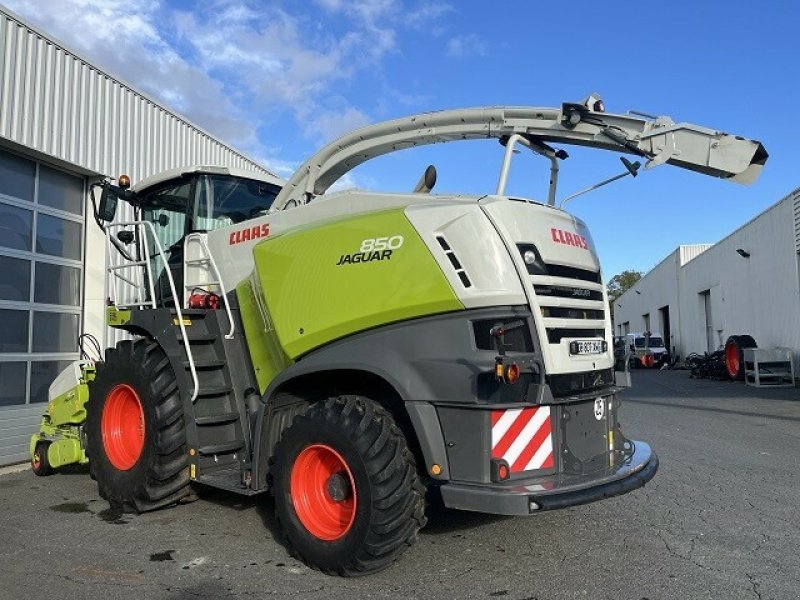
(208, 259)
(140, 281)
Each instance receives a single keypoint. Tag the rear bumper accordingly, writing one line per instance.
(525, 497)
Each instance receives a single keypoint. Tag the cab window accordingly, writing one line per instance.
(223, 200)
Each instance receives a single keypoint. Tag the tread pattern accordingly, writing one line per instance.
(163, 479)
(397, 510)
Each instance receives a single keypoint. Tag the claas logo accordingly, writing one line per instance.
(251, 233)
(570, 239)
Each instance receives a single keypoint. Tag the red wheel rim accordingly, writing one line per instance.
(122, 427)
(732, 359)
(36, 461)
(323, 492)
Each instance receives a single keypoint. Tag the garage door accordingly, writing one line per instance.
(41, 288)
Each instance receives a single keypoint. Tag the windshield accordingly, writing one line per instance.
(223, 200)
(639, 342)
(655, 342)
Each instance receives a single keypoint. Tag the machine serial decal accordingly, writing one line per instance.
(523, 438)
(570, 239)
(373, 249)
(251, 233)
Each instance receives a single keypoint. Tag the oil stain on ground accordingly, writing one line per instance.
(162, 556)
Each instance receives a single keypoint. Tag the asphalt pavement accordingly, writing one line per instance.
(720, 520)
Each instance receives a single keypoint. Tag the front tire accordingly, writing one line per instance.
(347, 493)
(135, 429)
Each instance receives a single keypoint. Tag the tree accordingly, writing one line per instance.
(619, 284)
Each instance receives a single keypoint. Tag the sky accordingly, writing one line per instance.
(279, 79)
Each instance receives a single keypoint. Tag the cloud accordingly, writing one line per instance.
(462, 46)
(243, 69)
(428, 16)
(329, 125)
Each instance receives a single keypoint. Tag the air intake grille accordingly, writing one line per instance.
(451, 256)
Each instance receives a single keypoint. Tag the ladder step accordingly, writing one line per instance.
(197, 337)
(196, 261)
(205, 364)
(219, 390)
(227, 479)
(224, 448)
(217, 419)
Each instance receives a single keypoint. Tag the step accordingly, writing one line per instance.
(227, 479)
(205, 364)
(217, 419)
(218, 390)
(223, 448)
(197, 337)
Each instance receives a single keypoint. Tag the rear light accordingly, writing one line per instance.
(499, 470)
(512, 373)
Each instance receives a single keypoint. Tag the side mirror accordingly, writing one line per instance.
(107, 206)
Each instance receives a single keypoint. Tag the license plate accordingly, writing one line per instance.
(586, 347)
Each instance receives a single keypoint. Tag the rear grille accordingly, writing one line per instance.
(555, 334)
(572, 273)
(558, 291)
(562, 312)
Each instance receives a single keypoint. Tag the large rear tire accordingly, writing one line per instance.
(347, 493)
(135, 429)
(734, 355)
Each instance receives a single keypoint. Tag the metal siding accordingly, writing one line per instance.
(55, 102)
(17, 423)
(796, 204)
(690, 252)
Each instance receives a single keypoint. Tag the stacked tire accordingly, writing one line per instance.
(734, 355)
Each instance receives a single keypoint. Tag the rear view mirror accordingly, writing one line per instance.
(107, 207)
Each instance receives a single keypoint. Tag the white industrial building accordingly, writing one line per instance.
(65, 123)
(748, 283)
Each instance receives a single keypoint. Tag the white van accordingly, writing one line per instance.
(647, 349)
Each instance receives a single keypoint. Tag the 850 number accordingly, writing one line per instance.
(381, 243)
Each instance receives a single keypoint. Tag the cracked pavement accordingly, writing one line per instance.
(718, 521)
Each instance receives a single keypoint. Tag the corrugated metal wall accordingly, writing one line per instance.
(57, 103)
(687, 253)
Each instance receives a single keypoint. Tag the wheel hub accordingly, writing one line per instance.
(338, 487)
(323, 492)
(122, 427)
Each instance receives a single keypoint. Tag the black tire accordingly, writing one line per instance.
(388, 495)
(159, 476)
(734, 355)
(40, 465)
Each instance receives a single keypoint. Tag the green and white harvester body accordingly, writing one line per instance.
(355, 352)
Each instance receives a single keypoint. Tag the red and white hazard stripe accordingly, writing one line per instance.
(523, 438)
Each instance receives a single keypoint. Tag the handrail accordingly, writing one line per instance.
(223, 292)
(148, 227)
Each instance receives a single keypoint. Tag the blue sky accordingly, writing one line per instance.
(279, 79)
